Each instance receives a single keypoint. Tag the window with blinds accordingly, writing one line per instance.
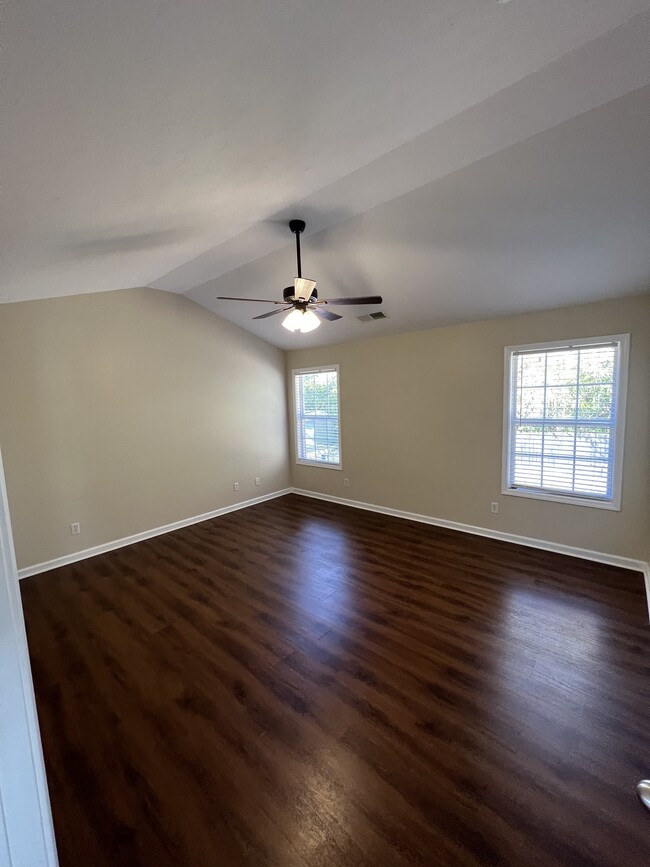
(564, 415)
(316, 405)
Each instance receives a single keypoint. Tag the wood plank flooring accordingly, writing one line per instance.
(301, 684)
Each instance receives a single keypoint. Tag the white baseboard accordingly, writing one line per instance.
(147, 534)
(542, 544)
(556, 547)
(646, 578)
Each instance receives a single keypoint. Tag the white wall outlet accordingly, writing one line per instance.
(346, 483)
(75, 529)
(494, 508)
(235, 486)
(257, 481)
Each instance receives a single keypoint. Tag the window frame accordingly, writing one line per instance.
(323, 368)
(613, 504)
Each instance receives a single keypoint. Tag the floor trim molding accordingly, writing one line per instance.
(557, 548)
(646, 578)
(583, 553)
(147, 534)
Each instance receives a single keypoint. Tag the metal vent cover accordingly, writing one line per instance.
(368, 317)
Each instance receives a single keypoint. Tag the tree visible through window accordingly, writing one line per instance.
(316, 399)
(564, 420)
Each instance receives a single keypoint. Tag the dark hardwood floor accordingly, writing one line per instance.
(301, 683)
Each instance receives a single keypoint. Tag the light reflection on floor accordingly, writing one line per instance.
(567, 660)
(323, 571)
(321, 566)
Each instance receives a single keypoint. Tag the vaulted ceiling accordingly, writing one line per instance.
(463, 158)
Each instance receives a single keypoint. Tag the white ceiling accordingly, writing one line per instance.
(461, 157)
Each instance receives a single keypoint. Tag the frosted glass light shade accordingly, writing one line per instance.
(293, 320)
(309, 321)
(301, 320)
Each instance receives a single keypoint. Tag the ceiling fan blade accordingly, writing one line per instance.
(273, 312)
(303, 288)
(365, 299)
(260, 300)
(325, 314)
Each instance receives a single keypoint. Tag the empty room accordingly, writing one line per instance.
(325, 433)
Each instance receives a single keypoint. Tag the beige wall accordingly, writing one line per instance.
(130, 410)
(421, 426)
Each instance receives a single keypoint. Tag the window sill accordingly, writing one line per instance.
(610, 505)
(319, 464)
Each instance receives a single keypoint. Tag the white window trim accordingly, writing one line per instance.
(325, 368)
(619, 432)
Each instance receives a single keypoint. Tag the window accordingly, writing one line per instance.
(316, 403)
(563, 424)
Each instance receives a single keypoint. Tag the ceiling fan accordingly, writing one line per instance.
(302, 297)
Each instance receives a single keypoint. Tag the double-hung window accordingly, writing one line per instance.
(316, 407)
(563, 421)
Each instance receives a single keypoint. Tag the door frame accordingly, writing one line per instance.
(26, 829)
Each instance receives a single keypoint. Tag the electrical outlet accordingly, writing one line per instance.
(494, 508)
(235, 486)
(257, 481)
(75, 529)
(346, 483)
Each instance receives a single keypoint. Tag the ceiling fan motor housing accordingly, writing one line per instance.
(289, 296)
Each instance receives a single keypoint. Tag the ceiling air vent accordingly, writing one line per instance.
(368, 317)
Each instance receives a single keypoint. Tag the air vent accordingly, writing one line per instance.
(368, 317)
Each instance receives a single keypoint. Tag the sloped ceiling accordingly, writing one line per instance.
(462, 158)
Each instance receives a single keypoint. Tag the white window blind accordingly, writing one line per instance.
(316, 400)
(564, 420)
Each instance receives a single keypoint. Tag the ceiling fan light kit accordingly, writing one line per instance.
(301, 320)
(307, 310)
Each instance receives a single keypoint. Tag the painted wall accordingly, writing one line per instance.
(421, 425)
(133, 409)
(129, 410)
